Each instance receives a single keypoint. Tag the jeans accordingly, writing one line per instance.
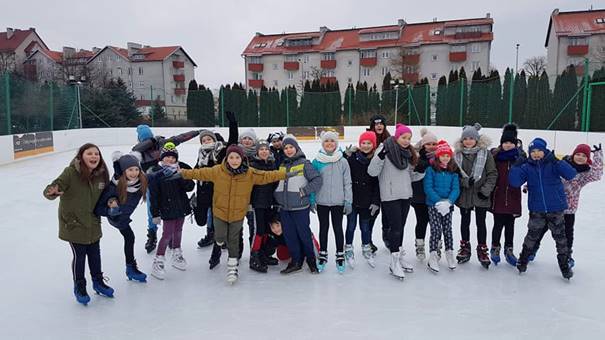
(364, 225)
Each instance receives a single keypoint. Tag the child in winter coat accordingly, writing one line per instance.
(506, 200)
(547, 202)
(212, 152)
(262, 203)
(589, 170)
(292, 197)
(478, 176)
(170, 205)
(426, 154)
(394, 167)
(233, 182)
(378, 124)
(247, 141)
(79, 187)
(334, 198)
(442, 188)
(366, 198)
(149, 149)
(276, 140)
(275, 242)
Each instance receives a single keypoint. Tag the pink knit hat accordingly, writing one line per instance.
(400, 129)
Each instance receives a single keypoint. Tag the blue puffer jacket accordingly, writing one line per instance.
(440, 185)
(543, 177)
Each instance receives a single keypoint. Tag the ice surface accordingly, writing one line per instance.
(470, 302)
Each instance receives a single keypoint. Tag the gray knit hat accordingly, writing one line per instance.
(291, 140)
(208, 133)
(248, 133)
(329, 135)
(471, 131)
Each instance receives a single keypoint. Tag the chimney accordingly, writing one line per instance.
(68, 52)
(555, 12)
(401, 22)
(323, 29)
(435, 19)
(33, 29)
(9, 32)
(488, 15)
(133, 48)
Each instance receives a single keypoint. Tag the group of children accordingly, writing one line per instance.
(275, 187)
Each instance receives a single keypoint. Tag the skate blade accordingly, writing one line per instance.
(372, 264)
(432, 270)
(398, 277)
(408, 270)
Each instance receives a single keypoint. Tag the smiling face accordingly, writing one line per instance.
(366, 146)
(289, 150)
(329, 145)
(132, 173)
(276, 228)
(91, 158)
(469, 142)
(277, 144)
(404, 140)
(264, 153)
(580, 159)
(507, 146)
(378, 128)
(445, 159)
(247, 142)
(536, 154)
(207, 140)
(234, 160)
(169, 160)
(430, 146)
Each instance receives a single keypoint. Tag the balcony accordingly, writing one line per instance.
(179, 77)
(180, 92)
(256, 67)
(411, 59)
(457, 57)
(328, 64)
(291, 65)
(577, 49)
(410, 77)
(467, 35)
(368, 62)
(178, 64)
(255, 83)
(326, 80)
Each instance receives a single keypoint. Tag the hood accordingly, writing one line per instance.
(484, 142)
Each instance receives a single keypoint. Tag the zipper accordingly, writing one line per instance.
(506, 191)
(542, 187)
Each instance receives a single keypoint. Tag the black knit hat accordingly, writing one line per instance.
(169, 149)
(509, 134)
(377, 119)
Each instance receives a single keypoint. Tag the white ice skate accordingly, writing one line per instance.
(157, 268)
(407, 267)
(420, 254)
(350, 256)
(232, 274)
(433, 263)
(451, 261)
(395, 267)
(369, 255)
(178, 261)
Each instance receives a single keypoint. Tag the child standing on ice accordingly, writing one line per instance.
(547, 202)
(170, 205)
(233, 182)
(442, 188)
(366, 198)
(79, 187)
(334, 198)
(394, 167)
(589, 170)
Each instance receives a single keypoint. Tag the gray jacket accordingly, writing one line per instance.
(337, 185)
(394, 184)
(469, 194)
(293, 193)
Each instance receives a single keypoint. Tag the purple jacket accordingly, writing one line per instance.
(505, 198)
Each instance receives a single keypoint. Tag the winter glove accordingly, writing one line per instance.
(156, 220)
(351, 149)
(113, 211)
(443, 207)
(596, 148)
(348, 208)
(382, 153)
(230, 116)
(168, 171)
(374, 209)
(482, 196)
(471, 181)
(53, 191)
(313, 208)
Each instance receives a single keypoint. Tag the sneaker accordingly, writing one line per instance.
(178, 261)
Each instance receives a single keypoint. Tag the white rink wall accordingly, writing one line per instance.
(65, 140)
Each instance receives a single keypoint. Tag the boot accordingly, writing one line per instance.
(407, 267)
(433, 263)
(374, 248)
(340, 262)
(368, 254)
(510, 256)
(268, 260)
(207, 240)
(178, 261)
(464, 254)
(99, 286)
(256, 263)
(533, 254)
(350, 255)
(312, 263)
(157, 268)
(293, 268)
(420, 254)
(133, 272)
(80, 292)
(564, 266)
(323, 259)
(494, 254)
(152, 240)
(449, 257)
(395, 266)
(482, 256)
(523, 260)
(215, 257)
(232, 273)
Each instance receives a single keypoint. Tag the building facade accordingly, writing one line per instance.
(15, 46)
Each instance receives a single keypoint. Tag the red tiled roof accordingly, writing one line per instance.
(576, 23)
(157, 53)
(55, 55)
(421, 33)
(17, 39)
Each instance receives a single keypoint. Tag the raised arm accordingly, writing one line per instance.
(183, 137)
(260, 177)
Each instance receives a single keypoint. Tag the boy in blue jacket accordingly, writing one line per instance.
(547, 200)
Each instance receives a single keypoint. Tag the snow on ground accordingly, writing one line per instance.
(470, 302)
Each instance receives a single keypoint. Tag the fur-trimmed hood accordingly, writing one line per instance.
(484, 142)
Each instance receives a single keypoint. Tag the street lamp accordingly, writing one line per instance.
(77, 83)
(397, 83)
(517, 60)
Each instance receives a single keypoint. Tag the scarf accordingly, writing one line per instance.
(399, 156)
(579, 168)
(323, 157)
(250, 151)
(242, 168)
(478, 165)
(132, 186)
(363, 158)
(209, 152)
(509, 155)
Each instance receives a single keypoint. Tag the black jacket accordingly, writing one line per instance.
(262, 195)
(168, 197)
(150, 148)
(279, 156)
(365, 187)
(418, 195)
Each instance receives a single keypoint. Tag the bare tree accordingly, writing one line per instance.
(534, 66)
(7, 62)
(403, 62)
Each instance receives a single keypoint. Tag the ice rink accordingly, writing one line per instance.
(469, 302)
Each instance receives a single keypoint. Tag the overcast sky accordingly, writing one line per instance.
(215, 33)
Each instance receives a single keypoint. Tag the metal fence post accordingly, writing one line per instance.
(461, 118)
(8, 103)
(51, 110)
(427, 107)
(585, 96)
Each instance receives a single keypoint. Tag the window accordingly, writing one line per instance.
(99, 60)
(350, 80)
(290, 75)
(275, 66)
(306, 58)
(458, 48)
(329, 73)
(575, 41)
(130, 84)
(350, 62)
(475, 48)
(384, 71)
(119, 71)
(257, 76)
(140, 70)
(437, 32)
(386, 55)
(306, 75)
(434, 57)
(275, 83)
(129, 70)
(172, 99)
(368, 54)
(142, 83)
(255, 60)
(365, 71)
(475, 65)
(328, 56)
(292, 57)
(600, 20)
(433, 76)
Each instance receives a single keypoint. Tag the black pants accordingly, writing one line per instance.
(506, 222)
(385, 225)
(422, 219)
(396, 213)
(128, 235)
(570, 220)
(80, 253)
(262, 218)
(480, 214)
(323, 213)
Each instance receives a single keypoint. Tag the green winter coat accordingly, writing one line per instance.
(77, 221)
(469, 197)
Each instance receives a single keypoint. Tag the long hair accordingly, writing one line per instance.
(123, 186)
(451, 165)
(101, 169)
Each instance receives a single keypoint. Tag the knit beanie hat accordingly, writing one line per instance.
(469, 131)
(509, 134)
(237, 149)
(291, 140)
(144, 132)
(276, 135)
(443, 148)
(368, 135)
(329, 135)
(169, 149)
(122, 162)
(262, 144)
(539, 144)
(583, 149)
(400, 129)
(426, 137)
(208, 133)
(377, 119)
(248, 133)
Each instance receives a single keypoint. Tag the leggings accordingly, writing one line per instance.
(324, 212)
(128, 235)
(80, 253)
(506, 222)
(480, 214)
(172, 232)
(440, 225)
(422, 219)
(396, 213)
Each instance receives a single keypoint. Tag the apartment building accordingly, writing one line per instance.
(15, 46)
